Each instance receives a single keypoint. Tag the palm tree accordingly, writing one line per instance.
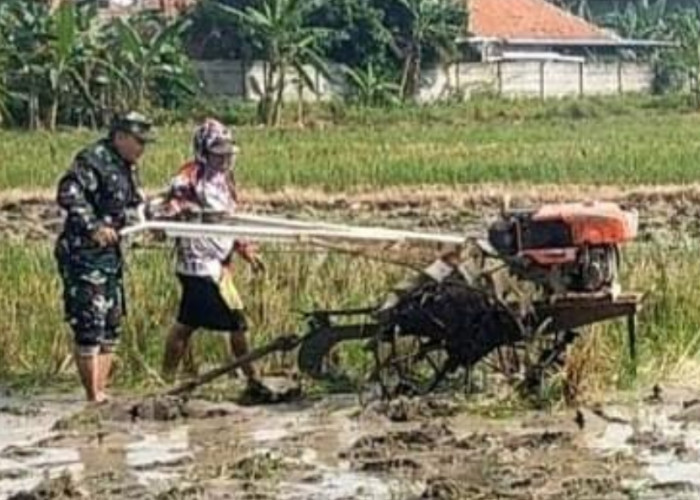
(427, 25)
(280, 31)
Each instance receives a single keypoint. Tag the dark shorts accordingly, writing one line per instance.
(201, 306)
(93, 303)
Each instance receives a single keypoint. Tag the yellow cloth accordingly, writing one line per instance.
(229, 292)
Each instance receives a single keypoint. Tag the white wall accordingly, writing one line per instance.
(510, 79)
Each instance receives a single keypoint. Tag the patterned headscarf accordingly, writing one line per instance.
(207, 134)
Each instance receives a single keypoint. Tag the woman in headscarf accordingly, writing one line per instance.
(209, 299)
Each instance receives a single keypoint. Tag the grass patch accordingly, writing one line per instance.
(593, 141)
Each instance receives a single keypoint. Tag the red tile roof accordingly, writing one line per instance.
(527, 19)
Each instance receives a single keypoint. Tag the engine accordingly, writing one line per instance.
(573, 247)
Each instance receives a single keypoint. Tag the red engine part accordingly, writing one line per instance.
(592, 224)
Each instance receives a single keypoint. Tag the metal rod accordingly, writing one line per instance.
(283, 344)
(198, 230)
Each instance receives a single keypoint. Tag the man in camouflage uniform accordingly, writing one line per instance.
(96, 192)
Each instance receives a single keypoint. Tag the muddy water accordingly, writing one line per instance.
(332, 449)
(26, 455)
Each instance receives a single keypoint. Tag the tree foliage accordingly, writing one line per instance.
(68, 65)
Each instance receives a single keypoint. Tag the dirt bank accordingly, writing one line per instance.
(664, 210)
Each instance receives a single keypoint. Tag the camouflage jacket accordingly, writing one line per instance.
(96, 191)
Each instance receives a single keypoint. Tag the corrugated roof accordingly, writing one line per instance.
(530, 19)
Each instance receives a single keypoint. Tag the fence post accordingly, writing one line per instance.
(619, 76)
(317, 85)
(458, 83)
(580, 79)
(499, 75)
(244, 78)
(542, 89)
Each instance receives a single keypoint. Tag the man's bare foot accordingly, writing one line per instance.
(101, 397)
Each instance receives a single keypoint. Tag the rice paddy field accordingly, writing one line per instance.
(596, 146)
(642, 141)
(630, 431)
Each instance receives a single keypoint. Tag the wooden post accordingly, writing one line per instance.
(458, 83)
(632, 338)
(619, 76)
(542, 85)
(499, 73)
(244, 78)
(317, 83)
(580, 79)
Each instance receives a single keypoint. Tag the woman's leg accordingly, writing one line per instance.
(175, 348)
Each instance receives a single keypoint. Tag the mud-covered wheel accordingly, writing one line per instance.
(545, 359)
(410, 366)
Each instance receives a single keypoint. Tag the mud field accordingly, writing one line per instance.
(664, 211)
(330, 448)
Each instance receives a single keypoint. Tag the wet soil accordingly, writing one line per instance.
(330, 448)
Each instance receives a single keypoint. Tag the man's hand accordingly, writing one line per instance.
(105, 236)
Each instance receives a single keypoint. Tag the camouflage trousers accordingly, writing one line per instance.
(93, 300)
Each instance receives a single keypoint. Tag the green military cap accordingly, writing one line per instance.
(136, 124)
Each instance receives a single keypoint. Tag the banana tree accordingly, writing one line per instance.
(71, 53)
(149, 54)
(685, 27)
(27, 31)
(281, 33)
(645, 19)
(370, 88)
(426, 26)
(580, 8)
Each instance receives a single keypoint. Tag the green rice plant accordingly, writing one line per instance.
(560, 142)
(35, 341)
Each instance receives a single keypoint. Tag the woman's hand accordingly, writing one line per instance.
(250, 255)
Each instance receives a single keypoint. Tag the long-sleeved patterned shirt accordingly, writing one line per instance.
(96, 191)
(208, 189)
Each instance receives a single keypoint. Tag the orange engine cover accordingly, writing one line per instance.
(592, 223)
